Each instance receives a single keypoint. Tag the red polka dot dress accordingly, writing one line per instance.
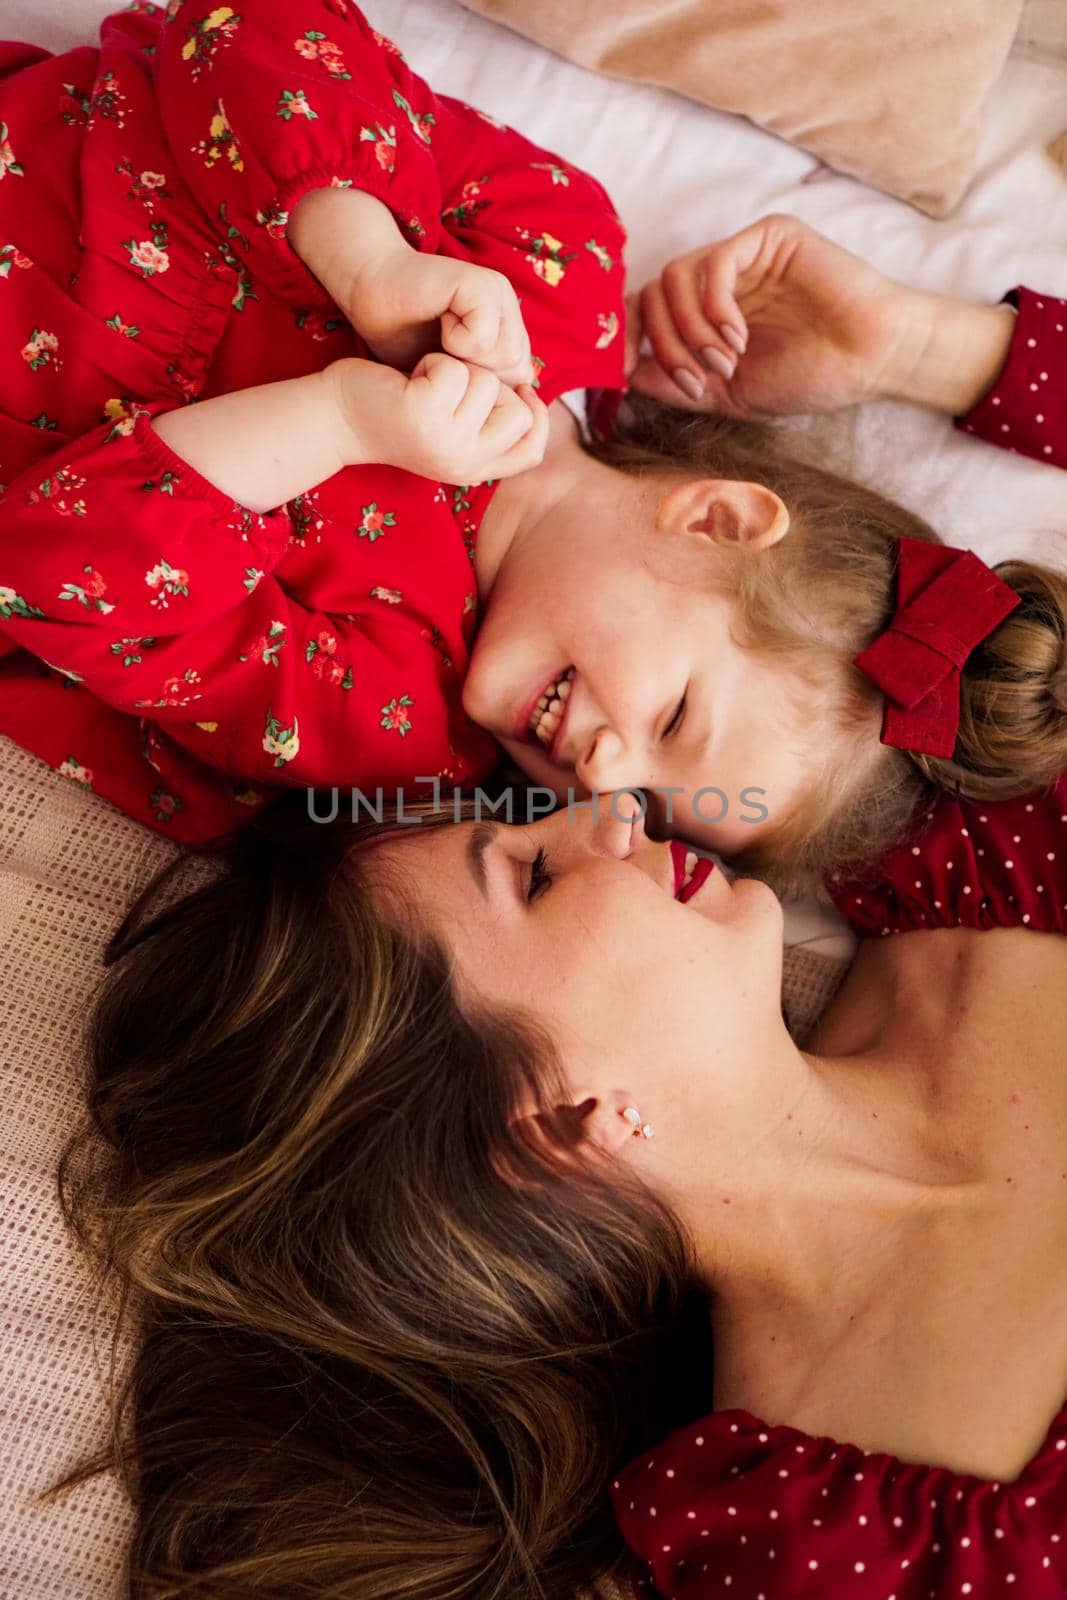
(178, 653)
(732, 1508)
(1026, 409)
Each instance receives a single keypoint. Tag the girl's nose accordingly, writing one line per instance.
(603, 763)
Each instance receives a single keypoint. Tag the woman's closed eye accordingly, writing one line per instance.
(677, 719)
(540, 877)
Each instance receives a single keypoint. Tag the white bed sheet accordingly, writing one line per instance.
(682, 174)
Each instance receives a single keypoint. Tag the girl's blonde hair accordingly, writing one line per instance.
(386, 1346)
(820, 596)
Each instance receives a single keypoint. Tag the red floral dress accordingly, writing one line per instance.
(732, 1508)
(177, 652)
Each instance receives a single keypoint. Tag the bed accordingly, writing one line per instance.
(681, 174)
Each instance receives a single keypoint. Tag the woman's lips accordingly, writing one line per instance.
(699, 871)
(678, 855)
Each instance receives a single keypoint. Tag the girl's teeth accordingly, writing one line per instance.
(548, 712)
(691, 859)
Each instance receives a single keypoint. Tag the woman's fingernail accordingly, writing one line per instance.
(688, 383)
(718, 362)
(734, 338)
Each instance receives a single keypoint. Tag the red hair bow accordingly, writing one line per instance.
(948, 603)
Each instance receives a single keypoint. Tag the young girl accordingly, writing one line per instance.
(186, 627)
(218, 646)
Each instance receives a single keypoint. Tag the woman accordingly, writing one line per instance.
(416, 1138)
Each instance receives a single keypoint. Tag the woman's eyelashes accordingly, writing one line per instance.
(678, 718)
(540, 877)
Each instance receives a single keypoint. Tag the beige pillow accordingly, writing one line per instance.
(890, 91)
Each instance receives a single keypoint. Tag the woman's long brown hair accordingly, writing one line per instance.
(386, 1346)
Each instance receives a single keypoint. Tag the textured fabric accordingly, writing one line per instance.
(890, 92)
(786, 1516)
(1026, 409)
(69, 863)
(197, 654)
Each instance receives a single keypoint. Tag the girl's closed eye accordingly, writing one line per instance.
(678, 718)
(540, 877)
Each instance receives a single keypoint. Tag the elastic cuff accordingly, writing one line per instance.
(260, 530)
(404, 196)
(1021, 410)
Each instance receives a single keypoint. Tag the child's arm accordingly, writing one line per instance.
(448, 420)
(127, 564)
(265, 110)
(133, 575)
(404, 304)
(163, 524)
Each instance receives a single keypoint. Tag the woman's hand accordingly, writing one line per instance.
(775, 319)
(778, 319)
(403, 303)
(450, 420)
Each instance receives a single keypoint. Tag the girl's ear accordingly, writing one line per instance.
(725, 511)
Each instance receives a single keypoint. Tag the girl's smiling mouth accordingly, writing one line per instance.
(545, 714)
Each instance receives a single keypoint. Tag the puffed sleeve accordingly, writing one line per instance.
(1026, 409)
(267, 100)
(260, 108)
(123, 568)
(553, 231)
(976, 864)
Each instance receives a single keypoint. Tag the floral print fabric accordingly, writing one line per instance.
(176, 652)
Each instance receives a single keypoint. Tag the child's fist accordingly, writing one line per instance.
(409, 303)
(483, 323)
(450, 420)
(406, 304)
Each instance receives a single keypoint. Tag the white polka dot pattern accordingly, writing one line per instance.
(844, 1522)
(1001, 865)
(1026, 410)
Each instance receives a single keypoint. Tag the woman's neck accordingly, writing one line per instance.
(849, 1160)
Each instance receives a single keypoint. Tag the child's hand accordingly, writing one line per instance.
(450, 420)
(406, 304)
(775, 319)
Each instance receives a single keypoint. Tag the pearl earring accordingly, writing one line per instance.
(642, 1130)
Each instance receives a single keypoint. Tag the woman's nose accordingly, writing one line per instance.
(617, 823)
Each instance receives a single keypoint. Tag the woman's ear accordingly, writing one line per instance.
(726, 511)
(588, 1119)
